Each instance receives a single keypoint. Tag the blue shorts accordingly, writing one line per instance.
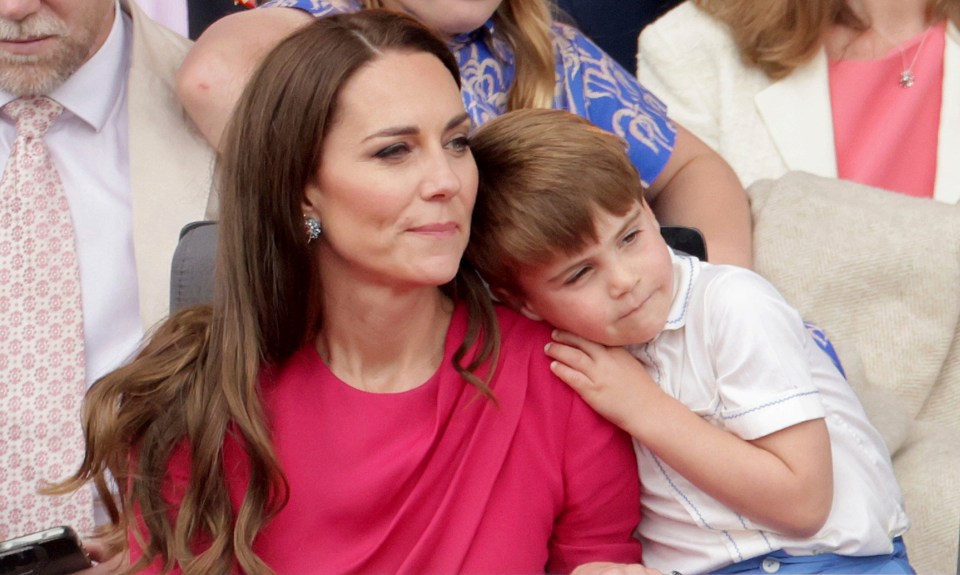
(781, 562)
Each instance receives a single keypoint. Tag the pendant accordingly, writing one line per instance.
(906, 79)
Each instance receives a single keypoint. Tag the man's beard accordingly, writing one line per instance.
(36, 74)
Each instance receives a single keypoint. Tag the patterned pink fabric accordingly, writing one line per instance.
(41, 334)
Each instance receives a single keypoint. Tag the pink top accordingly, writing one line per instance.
(886, 134)
(438, 480)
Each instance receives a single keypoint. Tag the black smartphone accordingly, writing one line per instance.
(54, 551)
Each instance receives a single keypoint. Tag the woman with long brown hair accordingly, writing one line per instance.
(512, 55)
(863, 90)
(353, 401)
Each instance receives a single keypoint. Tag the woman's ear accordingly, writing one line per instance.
(311, 198)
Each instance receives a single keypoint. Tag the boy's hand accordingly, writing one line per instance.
(609, 379)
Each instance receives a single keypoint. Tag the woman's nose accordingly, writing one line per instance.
(441, 179)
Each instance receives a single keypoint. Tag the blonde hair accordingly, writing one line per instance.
(525, 26)
(543, 176)
(196, 382)
(777, 36)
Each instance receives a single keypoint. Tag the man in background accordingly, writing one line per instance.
(90, 122)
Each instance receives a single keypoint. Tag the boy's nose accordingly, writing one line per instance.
(622, 282)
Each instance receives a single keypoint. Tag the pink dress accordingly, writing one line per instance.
(886, 135)
(437, 479)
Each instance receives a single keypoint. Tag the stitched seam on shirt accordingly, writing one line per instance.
(646, 352)
(743, 523)
(694, 507)
(771, 404)
(689, 292)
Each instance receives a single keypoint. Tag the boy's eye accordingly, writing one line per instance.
(393, 151)
(630, 237)
(576, 276)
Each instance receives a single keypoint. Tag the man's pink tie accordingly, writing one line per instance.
(41, 334)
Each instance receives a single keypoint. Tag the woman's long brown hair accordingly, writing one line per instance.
(777, 36)
(196, 380)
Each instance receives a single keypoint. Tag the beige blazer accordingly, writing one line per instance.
(766, 128)
(171, 166)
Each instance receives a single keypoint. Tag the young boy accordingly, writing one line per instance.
(755, 454)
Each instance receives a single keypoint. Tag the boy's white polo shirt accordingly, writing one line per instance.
(737, 354)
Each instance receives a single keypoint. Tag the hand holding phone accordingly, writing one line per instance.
(55, 551)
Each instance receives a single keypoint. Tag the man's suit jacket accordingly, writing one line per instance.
(765, 128)
(171, 166)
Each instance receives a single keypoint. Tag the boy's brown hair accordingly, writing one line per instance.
(543, 176)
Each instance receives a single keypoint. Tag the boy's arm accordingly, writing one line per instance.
(217, 68)
(783, 480)
(698, 188)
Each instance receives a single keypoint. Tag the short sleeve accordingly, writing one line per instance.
(761, 352)
(596, 87)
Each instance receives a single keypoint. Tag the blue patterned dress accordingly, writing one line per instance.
(589, 83)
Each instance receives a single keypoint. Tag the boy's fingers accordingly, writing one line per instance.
(565, 337)
(575, 379)
(572, 356)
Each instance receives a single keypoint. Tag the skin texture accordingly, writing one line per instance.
(783, 480)
(43, 42)
(616, 291)
(394, 194)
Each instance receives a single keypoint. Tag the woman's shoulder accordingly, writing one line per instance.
(687, 27)
(569, 41)
(518, 331)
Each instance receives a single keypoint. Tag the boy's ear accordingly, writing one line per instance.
(517, 303)
(528, 312)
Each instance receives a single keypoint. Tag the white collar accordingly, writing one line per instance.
(91, 93)
(685, 271)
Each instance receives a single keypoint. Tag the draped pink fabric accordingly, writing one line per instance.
(439, 480)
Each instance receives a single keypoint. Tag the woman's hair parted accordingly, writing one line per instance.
(777, 36)
(525, 25)
(543, 176)
(196, 380)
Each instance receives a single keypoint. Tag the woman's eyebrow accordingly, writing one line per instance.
(394, 131)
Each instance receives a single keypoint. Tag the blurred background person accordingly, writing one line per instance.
(864, 90)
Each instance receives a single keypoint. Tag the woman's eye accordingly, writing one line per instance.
(393, 151)
(459, 144)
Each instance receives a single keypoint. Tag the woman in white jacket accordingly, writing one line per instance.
(864, 90)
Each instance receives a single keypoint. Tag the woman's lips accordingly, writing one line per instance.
(439, 230)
